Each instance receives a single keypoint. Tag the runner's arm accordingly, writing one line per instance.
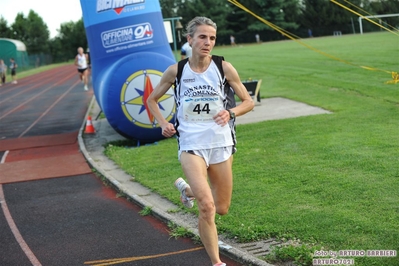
(168, 78)
(234, 80)
(76, 61)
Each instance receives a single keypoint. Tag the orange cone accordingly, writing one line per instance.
(89, 126)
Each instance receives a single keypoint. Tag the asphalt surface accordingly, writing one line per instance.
(92, 146)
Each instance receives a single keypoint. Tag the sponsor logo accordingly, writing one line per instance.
(189, 80)
(128, 34)
(116, 5)
(214, 99)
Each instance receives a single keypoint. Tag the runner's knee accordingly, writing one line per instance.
(207, 209)
(222, 209)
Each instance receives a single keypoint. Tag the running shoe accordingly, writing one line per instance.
(220, 264)
(86, 89)
(181, 185)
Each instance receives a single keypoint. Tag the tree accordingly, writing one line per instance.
(5, 31)
(314, 13)
(38, 34)
(283, 13)
(168, 8)
(71, 36)
(18, 28)
(291, 10)
(56, 50)
(32, 31)
(218, 13)
(324, 17)
(384, 7)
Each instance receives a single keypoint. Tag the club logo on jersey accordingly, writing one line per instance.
(116, 5)
(134, 94)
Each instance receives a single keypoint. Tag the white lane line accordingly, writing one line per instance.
(13, 226)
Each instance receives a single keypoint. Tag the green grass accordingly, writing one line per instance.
(330, 180)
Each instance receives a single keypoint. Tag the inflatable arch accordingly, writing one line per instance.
(129, 51)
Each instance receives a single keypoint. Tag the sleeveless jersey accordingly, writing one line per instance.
(13, 66)
(200, 96)
(82, 61)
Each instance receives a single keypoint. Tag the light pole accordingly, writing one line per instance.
(174, 28)
(179, 27)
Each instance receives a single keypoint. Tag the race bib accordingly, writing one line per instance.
(201, 109)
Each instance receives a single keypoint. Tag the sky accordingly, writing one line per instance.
(53, 12)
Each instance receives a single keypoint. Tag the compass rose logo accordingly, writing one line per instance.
(134, 94)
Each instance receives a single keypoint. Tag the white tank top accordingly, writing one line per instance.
(82, 62)
(200, 96)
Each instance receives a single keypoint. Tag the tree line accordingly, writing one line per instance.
(299, 17)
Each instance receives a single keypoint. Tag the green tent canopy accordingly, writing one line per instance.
(10, 48)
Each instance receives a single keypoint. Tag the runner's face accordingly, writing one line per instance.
(203, 40)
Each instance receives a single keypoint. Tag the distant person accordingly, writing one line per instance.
(88, 64)
(13, 67)
(3, 72)
(81, 61)
(257, 37)
(88, 58)
(310, 33)
(37, 61)
(186, 51)
(232, 40)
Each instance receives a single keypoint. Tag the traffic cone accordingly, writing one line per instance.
(89, 126)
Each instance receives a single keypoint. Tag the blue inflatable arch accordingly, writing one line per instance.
(129, 51)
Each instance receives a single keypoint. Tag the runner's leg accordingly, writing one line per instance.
(221, 180)
(194, 168)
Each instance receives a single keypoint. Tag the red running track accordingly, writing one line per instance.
(40, 118)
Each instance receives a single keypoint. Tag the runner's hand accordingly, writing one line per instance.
(168, 130)
(222, 118)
